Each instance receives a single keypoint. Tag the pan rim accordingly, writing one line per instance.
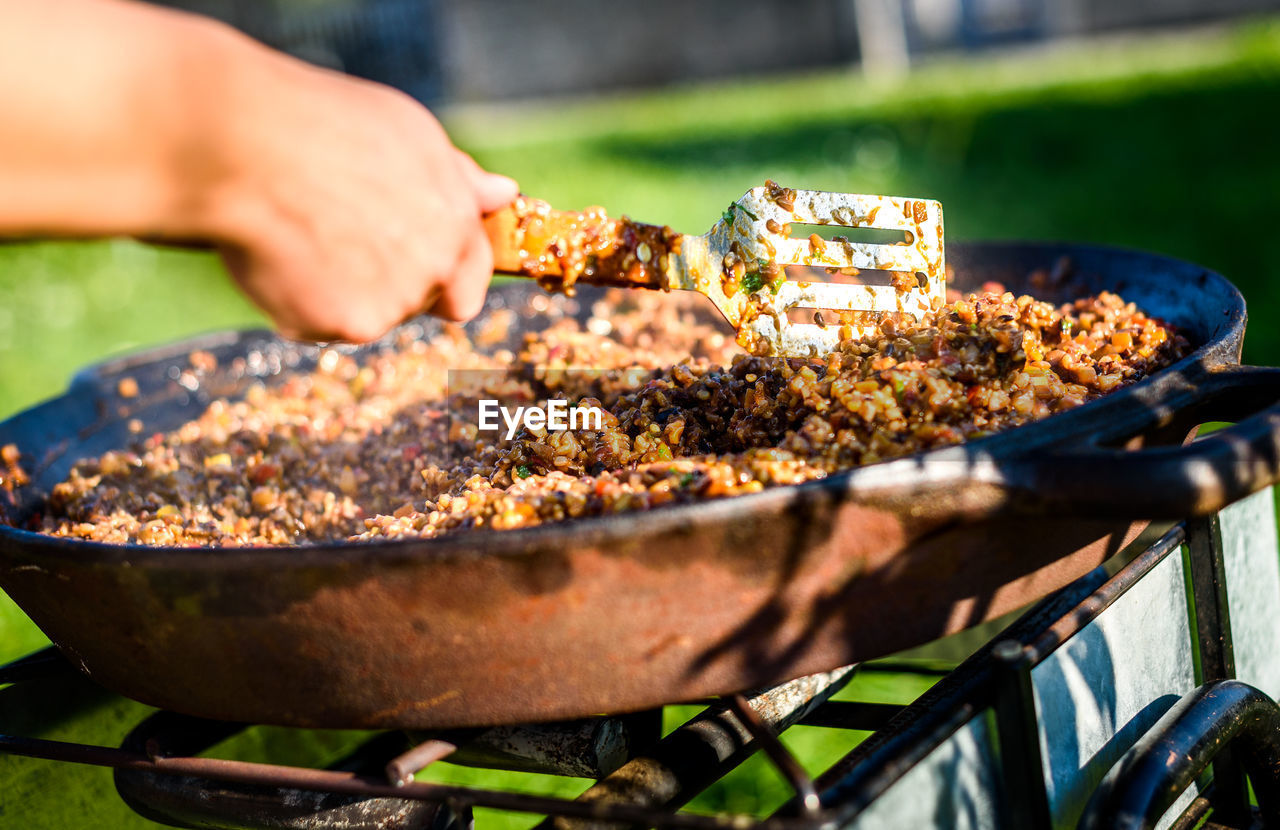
(604, 529)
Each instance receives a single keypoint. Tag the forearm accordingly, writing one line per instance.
(339, 205)
(107, 118)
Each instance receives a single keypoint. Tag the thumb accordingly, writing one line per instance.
(492, 190)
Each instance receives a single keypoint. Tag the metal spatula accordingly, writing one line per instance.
(739, 264)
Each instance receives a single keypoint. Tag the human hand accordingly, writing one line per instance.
(339, 205)
(344, 207)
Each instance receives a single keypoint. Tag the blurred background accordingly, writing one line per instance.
(1144, 123)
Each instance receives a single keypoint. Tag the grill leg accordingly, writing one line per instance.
(1217, 656)
(1020, 761)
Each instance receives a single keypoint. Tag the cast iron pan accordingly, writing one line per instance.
(631, 611)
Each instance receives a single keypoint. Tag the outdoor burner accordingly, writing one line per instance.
(1110, 700)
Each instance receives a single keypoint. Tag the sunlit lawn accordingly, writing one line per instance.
(1161, 144)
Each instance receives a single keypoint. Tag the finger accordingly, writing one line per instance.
(463, 297)
(496, 191)
(492, 190)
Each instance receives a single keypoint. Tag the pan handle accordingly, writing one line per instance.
(1195, 479)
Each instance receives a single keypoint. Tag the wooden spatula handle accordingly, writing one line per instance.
(530, 239)
(503, 228)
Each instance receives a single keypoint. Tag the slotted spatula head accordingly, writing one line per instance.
(740, 264)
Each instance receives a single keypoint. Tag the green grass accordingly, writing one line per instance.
(64, 305)
(1164, 144)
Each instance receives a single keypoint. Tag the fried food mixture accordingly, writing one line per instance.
(383, 447)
